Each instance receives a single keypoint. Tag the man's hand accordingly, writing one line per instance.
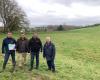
(44, 57)
(41, 50)
(28, 52)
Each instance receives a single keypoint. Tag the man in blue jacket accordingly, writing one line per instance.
(8, 48)
(49, 54)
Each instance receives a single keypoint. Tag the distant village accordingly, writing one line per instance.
(49, 28)
(53, 28)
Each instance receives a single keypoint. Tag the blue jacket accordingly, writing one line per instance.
(6, 42)
(49, 51)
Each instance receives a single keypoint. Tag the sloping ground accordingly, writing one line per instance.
(77, 58)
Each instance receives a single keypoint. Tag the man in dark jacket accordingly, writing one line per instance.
(49, 54)
(35, 46)
(22, 49)
(8, 48)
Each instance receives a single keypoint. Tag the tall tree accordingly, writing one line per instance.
(12, 16)
(60, 28)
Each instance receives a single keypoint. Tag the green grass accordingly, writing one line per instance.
(77, 57)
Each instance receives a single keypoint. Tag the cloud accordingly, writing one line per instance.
(68, 2)
(76, 12)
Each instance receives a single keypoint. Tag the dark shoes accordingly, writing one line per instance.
(48, 69)
(33, 67)
(30, 69)
(37, 68)
(2, 71)
(12, 70)
(53, 71)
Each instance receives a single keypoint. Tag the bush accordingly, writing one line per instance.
(60, 28)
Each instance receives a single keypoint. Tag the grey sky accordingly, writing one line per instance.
(74, 12)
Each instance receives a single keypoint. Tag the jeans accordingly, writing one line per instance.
(51, 65)
(34, 55)
(7, 55)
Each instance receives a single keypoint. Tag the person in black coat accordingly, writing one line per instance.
(8, 48)
(49, 54)
(35, 46)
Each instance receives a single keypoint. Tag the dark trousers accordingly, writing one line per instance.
(51, 65)
(34, 55)
(7, 55)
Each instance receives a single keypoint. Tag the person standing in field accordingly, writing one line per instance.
(22, 49)
(8, 48)
(49, 53)
(35, 46)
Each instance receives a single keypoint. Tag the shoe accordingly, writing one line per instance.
(21, 67)
(48, 69)
(37, 68)
(53, 71)
(2, 71)
(12, 70)
(30, 69)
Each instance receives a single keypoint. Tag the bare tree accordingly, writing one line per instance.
(12, 16)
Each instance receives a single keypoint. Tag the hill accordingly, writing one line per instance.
(77, 57)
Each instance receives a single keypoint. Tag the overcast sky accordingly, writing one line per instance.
(74, 12)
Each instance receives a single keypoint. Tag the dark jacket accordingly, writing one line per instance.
(6, 42)
(22, 45)
(49, 51)
(35, 45)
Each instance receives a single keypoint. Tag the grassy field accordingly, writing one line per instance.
(77, 57)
